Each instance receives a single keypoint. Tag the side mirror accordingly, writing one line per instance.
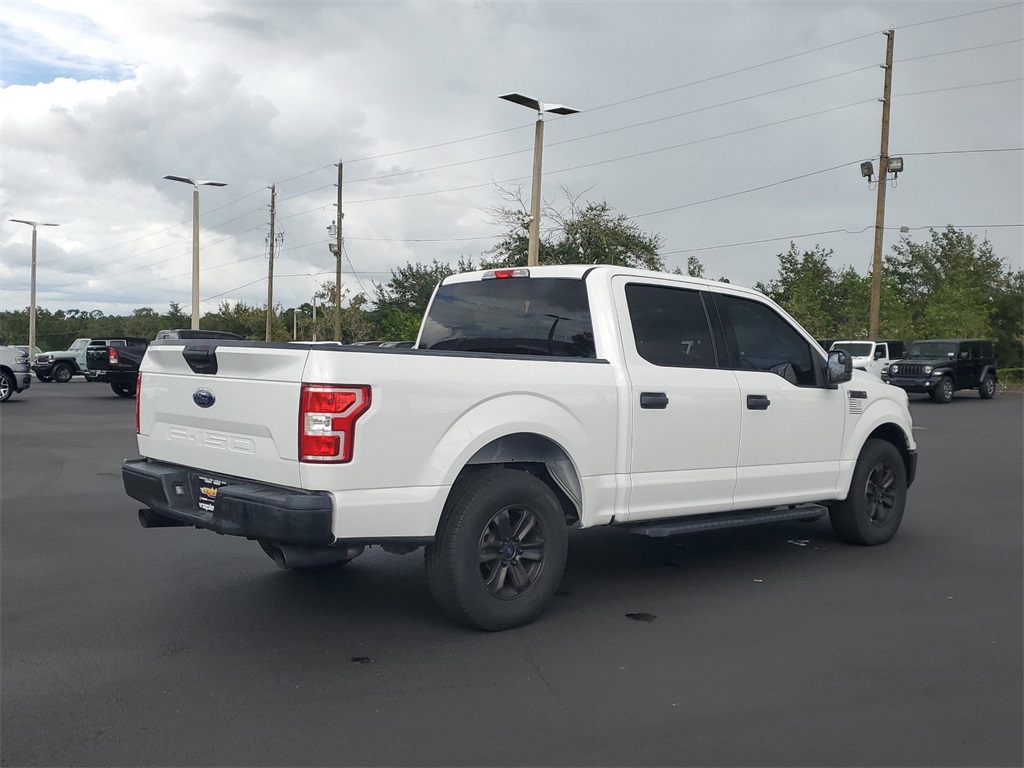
(839, 368)
(879, 353)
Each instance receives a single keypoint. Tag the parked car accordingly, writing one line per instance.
(15, 375)
(940, 367)
(62, 366)
(544, 398)
(872, 356)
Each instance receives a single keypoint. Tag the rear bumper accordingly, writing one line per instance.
(239, 507)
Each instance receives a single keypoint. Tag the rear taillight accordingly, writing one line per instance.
(138, 402)
(114, 359)
(327, 421)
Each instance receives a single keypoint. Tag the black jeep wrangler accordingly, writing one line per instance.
(942, 366)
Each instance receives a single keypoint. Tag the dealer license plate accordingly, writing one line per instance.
(206, 492)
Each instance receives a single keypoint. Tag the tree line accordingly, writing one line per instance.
(951, 286)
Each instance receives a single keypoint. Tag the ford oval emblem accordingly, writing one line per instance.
(204, 398)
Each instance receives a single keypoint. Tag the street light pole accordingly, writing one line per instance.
(195, 238)
(32, 292)
(538, 150)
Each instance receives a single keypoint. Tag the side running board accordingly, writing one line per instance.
(714, 522)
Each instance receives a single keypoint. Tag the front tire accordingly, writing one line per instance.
(6, 386)
(943, 392)
(873, 510)
(44, 377)
(987, 388)
(62, 373)
(500, 550)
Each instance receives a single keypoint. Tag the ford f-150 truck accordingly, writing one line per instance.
(535, 400)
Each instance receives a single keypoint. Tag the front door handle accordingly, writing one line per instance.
(758, 402)
(655, 400)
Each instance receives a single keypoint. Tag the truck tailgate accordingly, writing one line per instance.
(241, 420)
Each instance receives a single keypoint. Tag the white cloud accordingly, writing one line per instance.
(261, 93)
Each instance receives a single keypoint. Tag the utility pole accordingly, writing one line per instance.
(883, 172)
(270, 270)
(337, 276)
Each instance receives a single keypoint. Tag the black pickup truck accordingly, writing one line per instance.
(117, 366)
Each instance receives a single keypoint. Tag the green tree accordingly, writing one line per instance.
(949, 284)
(400, 303)
(582, 233)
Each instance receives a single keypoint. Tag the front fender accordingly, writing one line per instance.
(880, 414)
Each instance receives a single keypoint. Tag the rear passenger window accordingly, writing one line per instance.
(670, 326)
(549, 317)
(760, 339)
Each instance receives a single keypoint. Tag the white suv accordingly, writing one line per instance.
(871, 356)
(15, 375)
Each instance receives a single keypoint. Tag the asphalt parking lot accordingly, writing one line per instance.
(775, 645)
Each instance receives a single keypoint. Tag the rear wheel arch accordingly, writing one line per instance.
(537, 455)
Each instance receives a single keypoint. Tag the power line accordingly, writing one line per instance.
(961, 15)
(960, 87)
(743, 191)
(766, 240)
(616, 130)
(959, 50)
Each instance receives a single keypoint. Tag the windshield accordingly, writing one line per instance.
(512, 316)
(929, 349)
(855, 348)
(79, 344)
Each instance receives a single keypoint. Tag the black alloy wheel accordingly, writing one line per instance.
(511, 552)
(880, 493)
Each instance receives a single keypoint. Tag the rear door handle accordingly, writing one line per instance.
(655, 400)
(758, 402)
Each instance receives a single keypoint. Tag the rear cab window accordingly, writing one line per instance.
(547, 317)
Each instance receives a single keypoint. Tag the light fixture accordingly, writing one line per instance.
(540, 107)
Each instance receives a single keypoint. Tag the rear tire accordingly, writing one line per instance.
(62, 373)
(873, 510)
(987, 388)
(500, 550)
(121, 390)
(7, 385)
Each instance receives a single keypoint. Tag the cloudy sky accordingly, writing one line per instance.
(729, 129)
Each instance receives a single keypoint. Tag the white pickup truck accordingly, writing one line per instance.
(535, 400)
